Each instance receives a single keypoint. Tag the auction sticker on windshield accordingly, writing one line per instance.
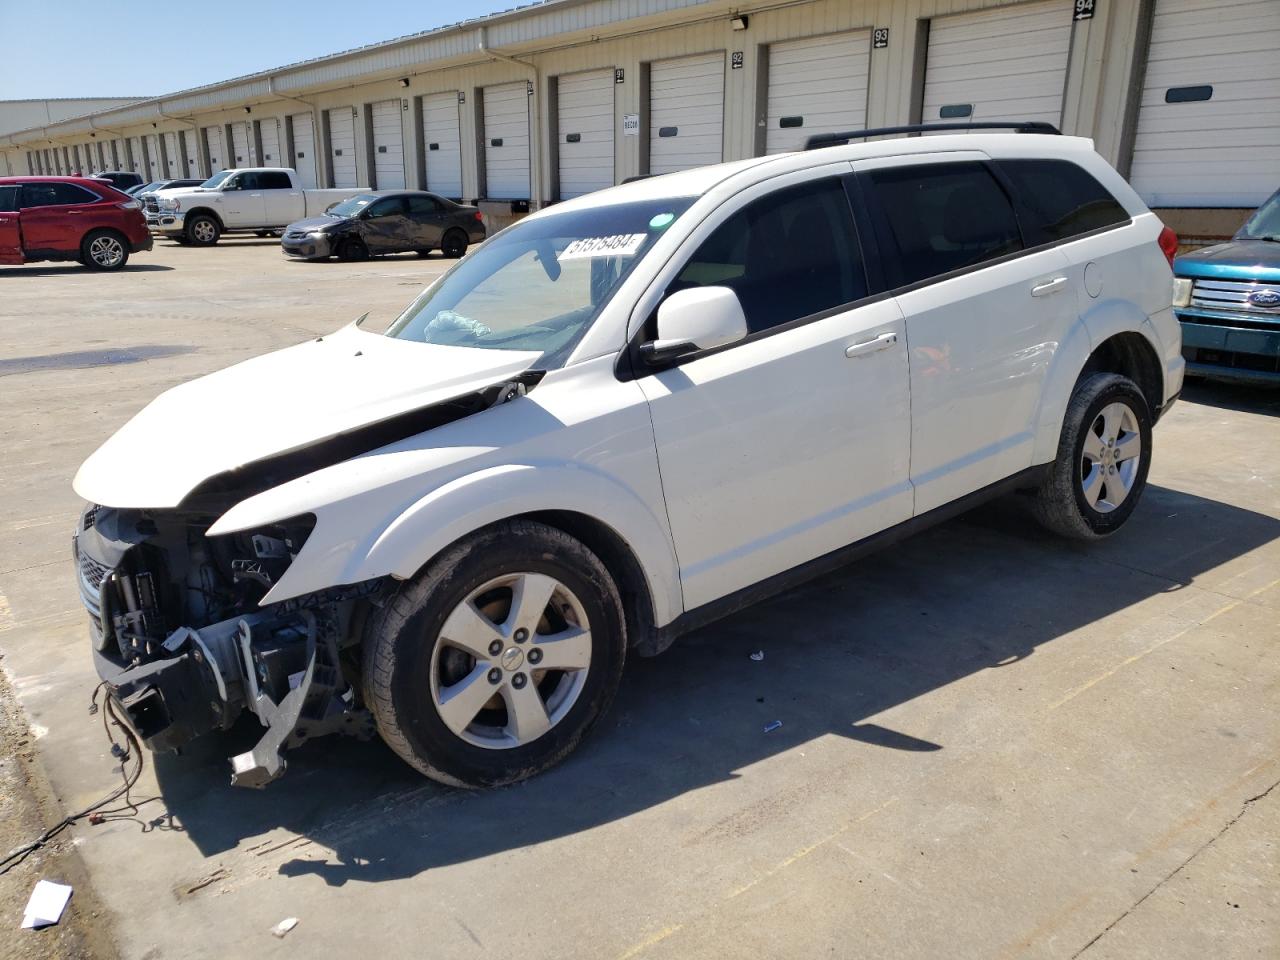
(618, 245)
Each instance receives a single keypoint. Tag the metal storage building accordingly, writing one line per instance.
(559, 98)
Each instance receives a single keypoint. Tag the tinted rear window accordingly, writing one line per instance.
(944, 217)
(1060, 200)
(54, 194)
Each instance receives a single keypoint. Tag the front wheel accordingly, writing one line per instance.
(353, 249)
(494, 662)
(203, 230)
(104, 250)
(1103, 457)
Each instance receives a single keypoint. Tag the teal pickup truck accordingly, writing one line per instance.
(1228, 300)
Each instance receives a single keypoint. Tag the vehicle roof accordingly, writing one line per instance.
(700, 180)
(51, 179)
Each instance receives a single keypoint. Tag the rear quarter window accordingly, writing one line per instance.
(1060, 200)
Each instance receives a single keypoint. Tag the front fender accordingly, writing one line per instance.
(398, 544)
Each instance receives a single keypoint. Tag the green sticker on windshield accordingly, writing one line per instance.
(661, 220)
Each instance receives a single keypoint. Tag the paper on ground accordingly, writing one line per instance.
(47, 902)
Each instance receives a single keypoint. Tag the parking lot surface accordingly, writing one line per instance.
(993, 743)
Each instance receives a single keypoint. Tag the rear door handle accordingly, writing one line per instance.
(1049, 287)
(882, 342)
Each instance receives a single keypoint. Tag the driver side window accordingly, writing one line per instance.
(787, 255)
(387, 207)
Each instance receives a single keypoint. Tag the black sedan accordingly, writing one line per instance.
(371, 224)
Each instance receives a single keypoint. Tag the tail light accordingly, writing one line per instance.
(1168, 244)
(479, 216)
(130, 205)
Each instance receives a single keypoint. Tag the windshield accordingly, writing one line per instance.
(1265, 222)
(541, 283)
(349, 208)
(217, 179)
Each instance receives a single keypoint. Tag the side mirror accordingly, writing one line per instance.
(700, 318)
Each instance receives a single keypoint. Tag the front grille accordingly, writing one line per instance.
(90, 576)
(1234, 295)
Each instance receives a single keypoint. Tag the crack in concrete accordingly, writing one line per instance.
(1244, 808)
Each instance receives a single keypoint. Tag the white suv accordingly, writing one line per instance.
(620, 418)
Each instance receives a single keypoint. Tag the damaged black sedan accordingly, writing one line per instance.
(373, 224)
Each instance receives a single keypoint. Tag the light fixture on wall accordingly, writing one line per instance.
(404, 81)
(248, 109)
(739, 22)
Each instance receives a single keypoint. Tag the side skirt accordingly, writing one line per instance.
(728, 605)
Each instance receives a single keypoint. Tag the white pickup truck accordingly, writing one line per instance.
(249, 199)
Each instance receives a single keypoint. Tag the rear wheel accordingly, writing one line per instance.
(454, 244)
(353, 249)
(494, 662)
(1103, 457)
(104, 250)
(203, 230)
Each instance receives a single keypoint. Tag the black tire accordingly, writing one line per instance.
(454, 244)
(104, 250)
(203, 230)
(423, 252)
(1061, 503)
(401, 637)
(353, 249)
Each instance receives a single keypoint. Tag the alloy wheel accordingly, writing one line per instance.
(106, 251)
(511, 660)
(203, 231)
(1111, 456)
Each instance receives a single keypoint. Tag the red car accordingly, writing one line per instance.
(69, 218)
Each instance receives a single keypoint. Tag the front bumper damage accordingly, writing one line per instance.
(282, 662)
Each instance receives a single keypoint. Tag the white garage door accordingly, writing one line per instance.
(154, 160)
(1004, 64)
(1209, 121)
(585, 118)
(213, 142)
(388, 145)
(342, 145)
(269, 135)
(686, 112)
(136, 162)
(506, 141)
(816, 85)
(119, 157)
(172, 155)
(304, 148)
(442, 143)
(191, 152)
(241, 150)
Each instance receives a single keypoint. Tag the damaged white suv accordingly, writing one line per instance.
(614, 421)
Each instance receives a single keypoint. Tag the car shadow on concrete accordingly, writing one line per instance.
(69, 269)
(1241, 397)
(979, 593)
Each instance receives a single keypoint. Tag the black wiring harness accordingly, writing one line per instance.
(128, 750)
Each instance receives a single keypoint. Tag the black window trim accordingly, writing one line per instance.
(631, 366)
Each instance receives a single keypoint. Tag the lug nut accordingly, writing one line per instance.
(522, 635)
(535, 655)
(495, 675)
(518, 680)
(495, 648)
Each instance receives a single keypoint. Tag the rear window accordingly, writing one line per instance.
(944, 217)
(55, 194)
(274, 180)
(1060, 200)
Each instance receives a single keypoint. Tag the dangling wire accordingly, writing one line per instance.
(128, 750)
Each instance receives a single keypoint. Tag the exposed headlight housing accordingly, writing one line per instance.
(1182, 291)
(169, 203)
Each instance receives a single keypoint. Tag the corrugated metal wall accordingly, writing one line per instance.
(627, 36)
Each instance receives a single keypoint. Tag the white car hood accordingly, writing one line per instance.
(276, 403)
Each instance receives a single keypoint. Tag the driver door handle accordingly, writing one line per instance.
(1049, 287)
(882, 342)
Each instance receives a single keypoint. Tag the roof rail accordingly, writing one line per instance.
(820, 140)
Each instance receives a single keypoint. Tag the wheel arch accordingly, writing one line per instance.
(208, 211)
(1114, 339)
